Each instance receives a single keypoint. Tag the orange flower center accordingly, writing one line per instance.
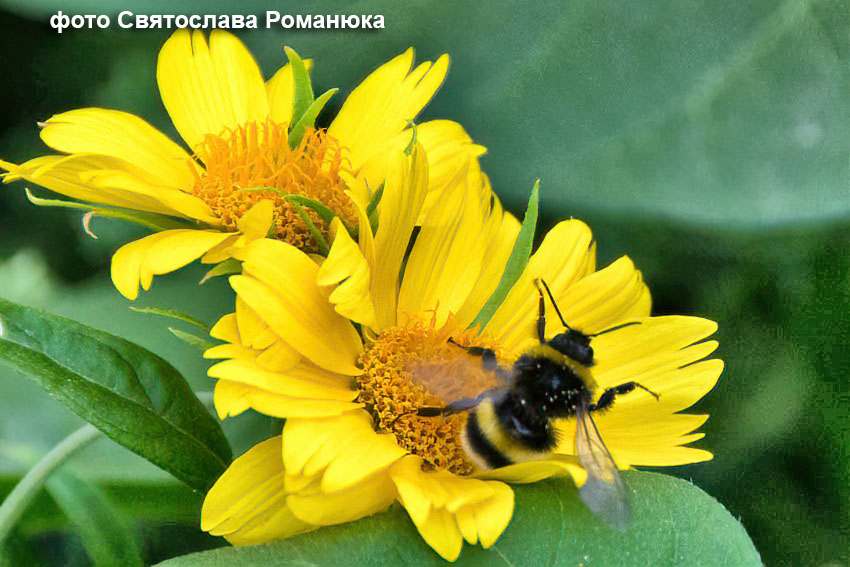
(414, 367)
(258, 155)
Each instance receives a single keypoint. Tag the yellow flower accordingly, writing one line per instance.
(236, 127)
(353, 442)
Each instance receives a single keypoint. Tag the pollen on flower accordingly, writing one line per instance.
(393, 388)
(258, 155)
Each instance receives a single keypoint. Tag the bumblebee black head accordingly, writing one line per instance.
(574, 344)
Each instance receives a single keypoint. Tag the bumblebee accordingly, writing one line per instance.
(551, 381)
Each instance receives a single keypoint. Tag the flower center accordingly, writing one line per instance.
(409, 368)
(258, 155)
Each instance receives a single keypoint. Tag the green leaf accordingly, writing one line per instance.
(190, 339)
(226, 268)
(308, 118)
(674, 523)
(372, 208)
(132, 395)
(173, 314)
(317, 235)
(150, 221)
(303, 95)
(409, 149)
(106, 533)
(516, 261)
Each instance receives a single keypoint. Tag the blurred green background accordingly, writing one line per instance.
(709, 141)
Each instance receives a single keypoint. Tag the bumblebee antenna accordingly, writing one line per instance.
(616, 328)
(539, 281)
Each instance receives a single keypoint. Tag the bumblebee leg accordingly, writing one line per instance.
(607, 397)
(541, 315)
(457, 406)
(488, 359)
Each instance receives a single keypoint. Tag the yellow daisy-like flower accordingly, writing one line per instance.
(353, 442)
(237, 128)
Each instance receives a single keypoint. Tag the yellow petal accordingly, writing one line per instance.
(291, 303)
(253, 331)
(123, 136)
(367, 496)
(449, 148)
(232, 398)
(498, 241)
(257, 221)
(534, 471)
(279, 357)
(447, 257)
(289, 383)
(446, 508)
(603, 299)
(441, 532)
(491, 516)
(564, 257)
(345, 449)
(137, 262)
(225, 329)
(207, 89)
(247, 504)
(381, 106)
(659, 352)
(404, 193)
(110, 181)
(347, 272)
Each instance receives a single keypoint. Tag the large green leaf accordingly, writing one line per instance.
(135, 397)
(674, 523)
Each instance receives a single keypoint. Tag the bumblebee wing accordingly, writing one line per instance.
(459, 380)
(605, 492)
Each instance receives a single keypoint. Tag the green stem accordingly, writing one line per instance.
(19, 499)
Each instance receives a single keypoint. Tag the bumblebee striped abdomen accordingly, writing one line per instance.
(488, 443)
(516, 425)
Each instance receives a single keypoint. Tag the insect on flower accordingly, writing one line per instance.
(515, 422)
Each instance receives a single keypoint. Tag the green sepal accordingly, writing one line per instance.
(321, 243)
(516, 263)
(173, 314)
(199, 343)
(228, 267)
(132, 395)
(409, 149)
(303, 87)
(372, 208)
(308, 118)
(323, 211)
(151, 221)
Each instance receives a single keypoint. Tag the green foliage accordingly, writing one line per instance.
(150, 221)
(132, 395)
(173, 314)
(674, 523)
(106, 532)
(516, 263)
(303, 88)
(308, 118)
